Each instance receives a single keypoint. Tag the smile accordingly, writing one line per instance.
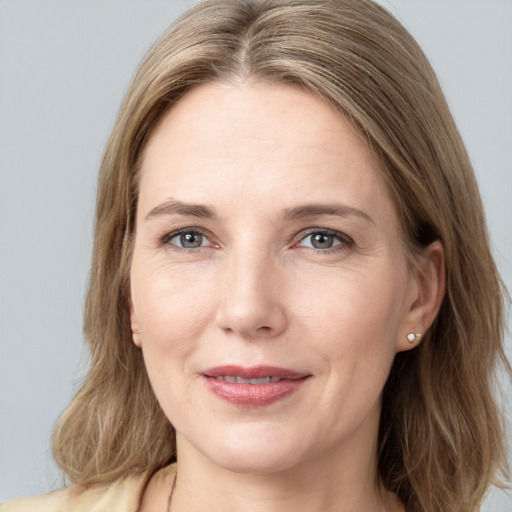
(254, 386)
(241, 380)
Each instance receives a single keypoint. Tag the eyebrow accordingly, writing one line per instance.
(315, 210)
(174, 207)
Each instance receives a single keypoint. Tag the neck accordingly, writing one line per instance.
(316, 485)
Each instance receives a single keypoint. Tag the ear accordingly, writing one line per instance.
(426, 295)
(137, 339)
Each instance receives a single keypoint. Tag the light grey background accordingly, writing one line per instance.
(64, 66)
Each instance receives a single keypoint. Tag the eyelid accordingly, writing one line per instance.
(166, 239)
(346, 240)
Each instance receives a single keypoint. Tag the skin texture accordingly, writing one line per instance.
(257, 292)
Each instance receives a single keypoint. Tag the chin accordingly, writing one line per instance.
(255, 450)
(256, 463)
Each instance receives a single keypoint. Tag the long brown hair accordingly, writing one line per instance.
(441, 439)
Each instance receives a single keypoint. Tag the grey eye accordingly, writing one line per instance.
(189, 240)
(321, 240)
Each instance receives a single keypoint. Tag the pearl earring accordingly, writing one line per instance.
(412, 337)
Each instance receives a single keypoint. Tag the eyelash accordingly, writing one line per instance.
(166, 240)
(344, 240)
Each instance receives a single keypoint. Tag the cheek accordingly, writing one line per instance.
(168, 298)
(362, 306)
(173, 308)
(354, 323)
(354, 326)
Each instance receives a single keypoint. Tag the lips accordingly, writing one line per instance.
(241, 380)
(253, 386)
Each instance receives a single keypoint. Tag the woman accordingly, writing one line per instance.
(291, 292)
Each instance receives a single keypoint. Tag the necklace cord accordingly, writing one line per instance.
(169, 499)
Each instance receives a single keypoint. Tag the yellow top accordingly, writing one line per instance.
(122, 495)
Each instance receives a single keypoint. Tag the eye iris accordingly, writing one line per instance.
(191, 240)
(322, 241)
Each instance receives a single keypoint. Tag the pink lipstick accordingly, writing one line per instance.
(255, 386)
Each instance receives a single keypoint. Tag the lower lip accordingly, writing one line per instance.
(253, 395)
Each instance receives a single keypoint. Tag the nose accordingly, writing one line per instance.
(251, 297)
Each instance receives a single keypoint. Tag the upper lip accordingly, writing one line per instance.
(253, 372)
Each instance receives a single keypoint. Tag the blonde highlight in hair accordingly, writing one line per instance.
(441, 439)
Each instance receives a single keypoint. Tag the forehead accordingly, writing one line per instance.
(253, 140)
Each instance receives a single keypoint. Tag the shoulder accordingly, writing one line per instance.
(122, 495)
(158, 489)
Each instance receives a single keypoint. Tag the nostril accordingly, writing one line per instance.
(251, 319)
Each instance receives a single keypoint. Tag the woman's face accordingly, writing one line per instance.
(268, 281)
